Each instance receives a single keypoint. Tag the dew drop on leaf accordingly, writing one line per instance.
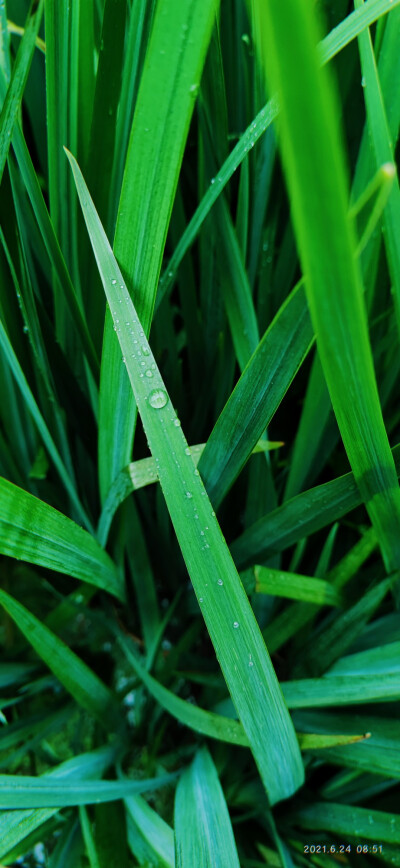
(158, 399)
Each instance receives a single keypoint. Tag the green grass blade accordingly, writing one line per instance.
(41, 426)
(16, 825)
(23, 791)
(150, 837)
(357, 823)
(206, 722)
(314, 165)
(88, 838)
(86, 688)
(32, 530)
(50, 240)
(298, 517)
(341, 36)
(257, 395)
(225, 607)
(5, 63)
(337, 690)
(379, 754)
(13, 98)
(169, 84)
(383, 148)
(336, 638)
(203, 830)
(295, 587)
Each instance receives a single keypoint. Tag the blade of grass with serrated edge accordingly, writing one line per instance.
(148, 834)
(86, 688)
(16, 825)
(341, 36)
(358, 823)
(203, 829)
(13, 97)
(33, 531)
(299, 517)
(168, 88)
(314, 165)
(240, 649)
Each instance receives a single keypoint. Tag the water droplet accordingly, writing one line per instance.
(149, 373)
(250, 661)
(212, 181)
(196, 472)
(363, 82)
(113, 282)
(177, 423)
(187, 451)
(200, 599)
(188, 494)
(220, 582)
(145, 351)
(235, 625)
(158, 399)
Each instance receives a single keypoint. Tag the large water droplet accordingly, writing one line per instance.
(145, 351)
(158, 399)
(220, 582)
(177, 423)
(149, 373)
(235, 625)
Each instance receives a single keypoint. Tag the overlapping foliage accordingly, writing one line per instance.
(199, 433)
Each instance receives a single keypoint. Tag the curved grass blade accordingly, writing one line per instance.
(206, 722)
(314, 165)
(168, 88)
(150, 837)
(203, 829)
(299, 517)
(17, 825)
(341, 36)
(33, 531)
(230, 621)
(86, 688)
(13, 97)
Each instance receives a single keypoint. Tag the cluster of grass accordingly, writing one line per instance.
(199, 433)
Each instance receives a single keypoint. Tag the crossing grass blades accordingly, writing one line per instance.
(199, 433)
